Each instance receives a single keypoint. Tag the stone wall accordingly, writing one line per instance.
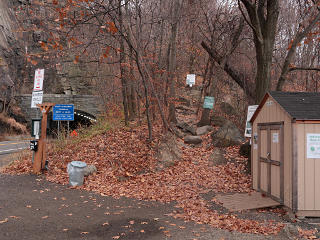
(87, 103)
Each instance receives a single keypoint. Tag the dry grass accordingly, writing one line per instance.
(11, 125)
(18, 158)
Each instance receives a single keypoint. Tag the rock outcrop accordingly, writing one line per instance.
(227, 135)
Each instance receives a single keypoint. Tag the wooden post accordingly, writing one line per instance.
(40, 155)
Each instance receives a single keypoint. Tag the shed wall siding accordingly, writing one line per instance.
(308, 170)
(268, 114)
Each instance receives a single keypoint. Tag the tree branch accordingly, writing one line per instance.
(254, 22)
(303, 69)
(239, 78)
(298, 38)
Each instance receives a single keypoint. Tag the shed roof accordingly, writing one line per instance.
(299, 105)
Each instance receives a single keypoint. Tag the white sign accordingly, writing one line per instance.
(36, 128)
(313, 145)
(269, 103)
(251, 111)
(191, 79)
(36, 98)
(275, 137)
(38, 80)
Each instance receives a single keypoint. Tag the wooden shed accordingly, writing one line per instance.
(285, 150)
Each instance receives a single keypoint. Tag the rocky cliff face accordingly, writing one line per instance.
(16, 73)
(8, 54)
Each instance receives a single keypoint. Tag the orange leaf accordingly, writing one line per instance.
(76, 60)
(34, 62)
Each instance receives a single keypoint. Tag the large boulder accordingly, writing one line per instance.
(203, 130)
(217, 157)
(192, 140)
(227, 108)
(177, 131)
(227, 135)
(168, 152)
(185, 127)
(218, 121)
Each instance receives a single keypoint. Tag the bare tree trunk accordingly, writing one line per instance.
(264, 61)
(146, 93)
(132, 103)
(205, 116)
(172, 59)
(142, 73)
(123, 71)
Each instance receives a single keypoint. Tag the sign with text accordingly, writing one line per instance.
(251, 111)
(38, 80)
(37, 97)
(63, 112)
(208, 102)
(191, 79)
(313, 145)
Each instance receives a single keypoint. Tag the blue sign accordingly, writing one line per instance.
(63, 112)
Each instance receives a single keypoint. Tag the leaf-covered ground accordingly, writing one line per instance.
(126, 167)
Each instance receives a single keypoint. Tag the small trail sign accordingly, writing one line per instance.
(38, 80)
(251, 111)
(208, 102)
(191, 79)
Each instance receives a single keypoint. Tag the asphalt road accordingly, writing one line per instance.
(9, 147)
(13, 146)
(33, 209)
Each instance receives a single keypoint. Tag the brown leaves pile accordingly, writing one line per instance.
(307, 234)
(122, 155)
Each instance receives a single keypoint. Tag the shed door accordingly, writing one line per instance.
(270, 161)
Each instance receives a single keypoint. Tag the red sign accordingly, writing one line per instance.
(38, 80)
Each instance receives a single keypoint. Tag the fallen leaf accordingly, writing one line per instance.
(4, 221)
(116, 237)
(84, 233)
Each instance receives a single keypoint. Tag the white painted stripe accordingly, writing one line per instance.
(8, 150)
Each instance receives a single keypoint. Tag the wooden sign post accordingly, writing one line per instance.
(40, 155)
